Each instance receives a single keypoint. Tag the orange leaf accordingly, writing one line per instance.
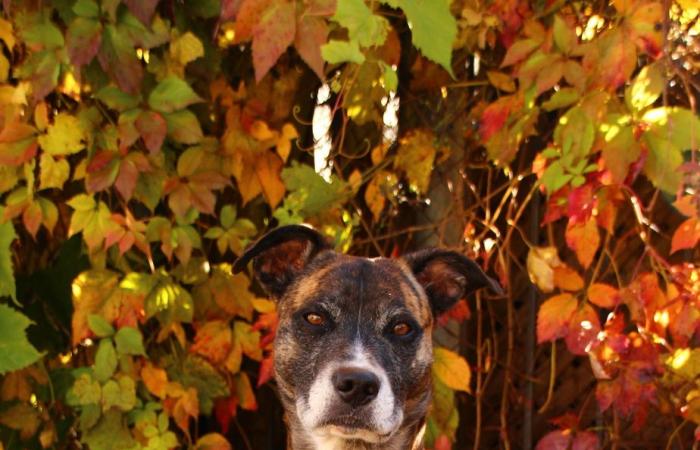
(212, 441)
(244, 391)
(603, 295)
(567, 279)
(583, 329)
(583, 239)
(268, 168)
(155, 379)
(186, 406)
(213, 341)
(686, 235)
(553, 317)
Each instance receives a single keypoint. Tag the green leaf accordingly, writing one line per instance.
(434, 29)
(620, 150)
(194, 371)
(336, 52)
(561, 99)
(100, 326)
(228, 216)
(309, 193)
(110, 433)
(677, 125)
(86, 8)
(7, 278)
(120, 394)
(364, 27)
(170, 303)
(390, 78)
(172, 94)
(646, 87)
(84, 391)
(129, 341)
(662, 163)
(15, 350)
(117, 99)
(105, 361)
(574, 134)
(554, 177)
(564, 36)
(184, 127)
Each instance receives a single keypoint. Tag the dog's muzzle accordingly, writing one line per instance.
(351, 400)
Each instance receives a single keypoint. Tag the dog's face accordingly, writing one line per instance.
(353, 349)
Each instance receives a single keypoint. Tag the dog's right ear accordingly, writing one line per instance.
(281, 255)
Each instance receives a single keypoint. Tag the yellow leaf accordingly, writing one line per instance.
(451, 369)
(6, 33)
(355, 180)
(54, 173)
(212, 441)
(4, 68)
(415, 157)
(284, 141)
(261, 131)
(541, 262)
(244, 391)
(64, 137)
(186, 48)
(374, 198)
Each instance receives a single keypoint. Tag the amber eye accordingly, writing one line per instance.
(314, 319)
(401, 329)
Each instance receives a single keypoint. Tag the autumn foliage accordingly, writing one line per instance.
(145, 143)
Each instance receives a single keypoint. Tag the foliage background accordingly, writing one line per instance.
(144, 143)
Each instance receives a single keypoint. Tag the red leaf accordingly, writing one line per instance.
(583, 239)
(495, 115)
(266, 370)
(17, 143)
(686, 235)
(126, 179)
(248, 16)
(553, 317)
(555, 440)
(225, 410)
(142, 9)
(583, 330)
(272, 35)
(581, 203)
(585, 440)
(459, 312)
(443, 443)
(83, 40)
(312, 33)
(153, 129)
(31, 217)
(101, 159)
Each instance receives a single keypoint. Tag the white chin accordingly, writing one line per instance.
(341, 432)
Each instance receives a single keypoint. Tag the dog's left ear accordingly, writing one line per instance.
(281, 255)
(447, 276)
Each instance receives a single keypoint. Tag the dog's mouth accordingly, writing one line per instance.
(348, 432)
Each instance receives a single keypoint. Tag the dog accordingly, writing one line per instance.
(353, 350)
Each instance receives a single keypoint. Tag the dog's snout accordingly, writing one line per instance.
(355, 386)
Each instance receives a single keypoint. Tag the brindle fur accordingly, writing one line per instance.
(361, 298)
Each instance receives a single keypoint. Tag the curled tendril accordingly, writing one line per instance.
(295, 113)
(365, 152)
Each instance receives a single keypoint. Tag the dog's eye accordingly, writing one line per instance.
(401, 329)
(314, 319)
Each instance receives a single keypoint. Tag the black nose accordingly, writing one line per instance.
(356, 387)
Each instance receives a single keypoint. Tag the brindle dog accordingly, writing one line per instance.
(353, 350)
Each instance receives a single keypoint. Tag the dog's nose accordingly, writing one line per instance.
(356, 387)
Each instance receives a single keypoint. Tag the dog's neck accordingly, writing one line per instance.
(408, 437)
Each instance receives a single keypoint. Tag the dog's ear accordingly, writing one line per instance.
(280, 255)
(447, 276)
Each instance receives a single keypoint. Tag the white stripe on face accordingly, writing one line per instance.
(385, 416)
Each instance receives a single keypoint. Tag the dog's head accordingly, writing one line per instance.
(353, 348)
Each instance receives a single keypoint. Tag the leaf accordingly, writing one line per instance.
(540, 263)
(54, 172)
(336, 52)
(311, 35)
(105, 360)
(662, 163)
(603, 295)
(170, 303)
(620, 150)
(646, 87)
(186, 48)
(584, 240)
(519, 51)
(553, 317)
(213, 341)
(142, 9)
(155, 379)
(21, 417)
(309, 192)
(244, 391)
(117, 99)
(83, 39)
(560, 99)
(93, 219)
(212, 441)
(17, 143)
(268, 167)
(110, 433)
(564, 36)
(554, 440)
(501, 81)
(99, 326)
(272, 35)
(64, 137)
(415, 157)
(129, 341)
(172, 94)
(451, 369)
(677, 125)
(567, 279)
(152, 127)
(120, 394)
(15, 350)
(364, 27)
(7, 277)
(85, 391)
(117, 57)
(184, 127)
(434, 29)
(584, 327)
(686, 235)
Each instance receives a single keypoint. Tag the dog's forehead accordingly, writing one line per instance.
(373, 282)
